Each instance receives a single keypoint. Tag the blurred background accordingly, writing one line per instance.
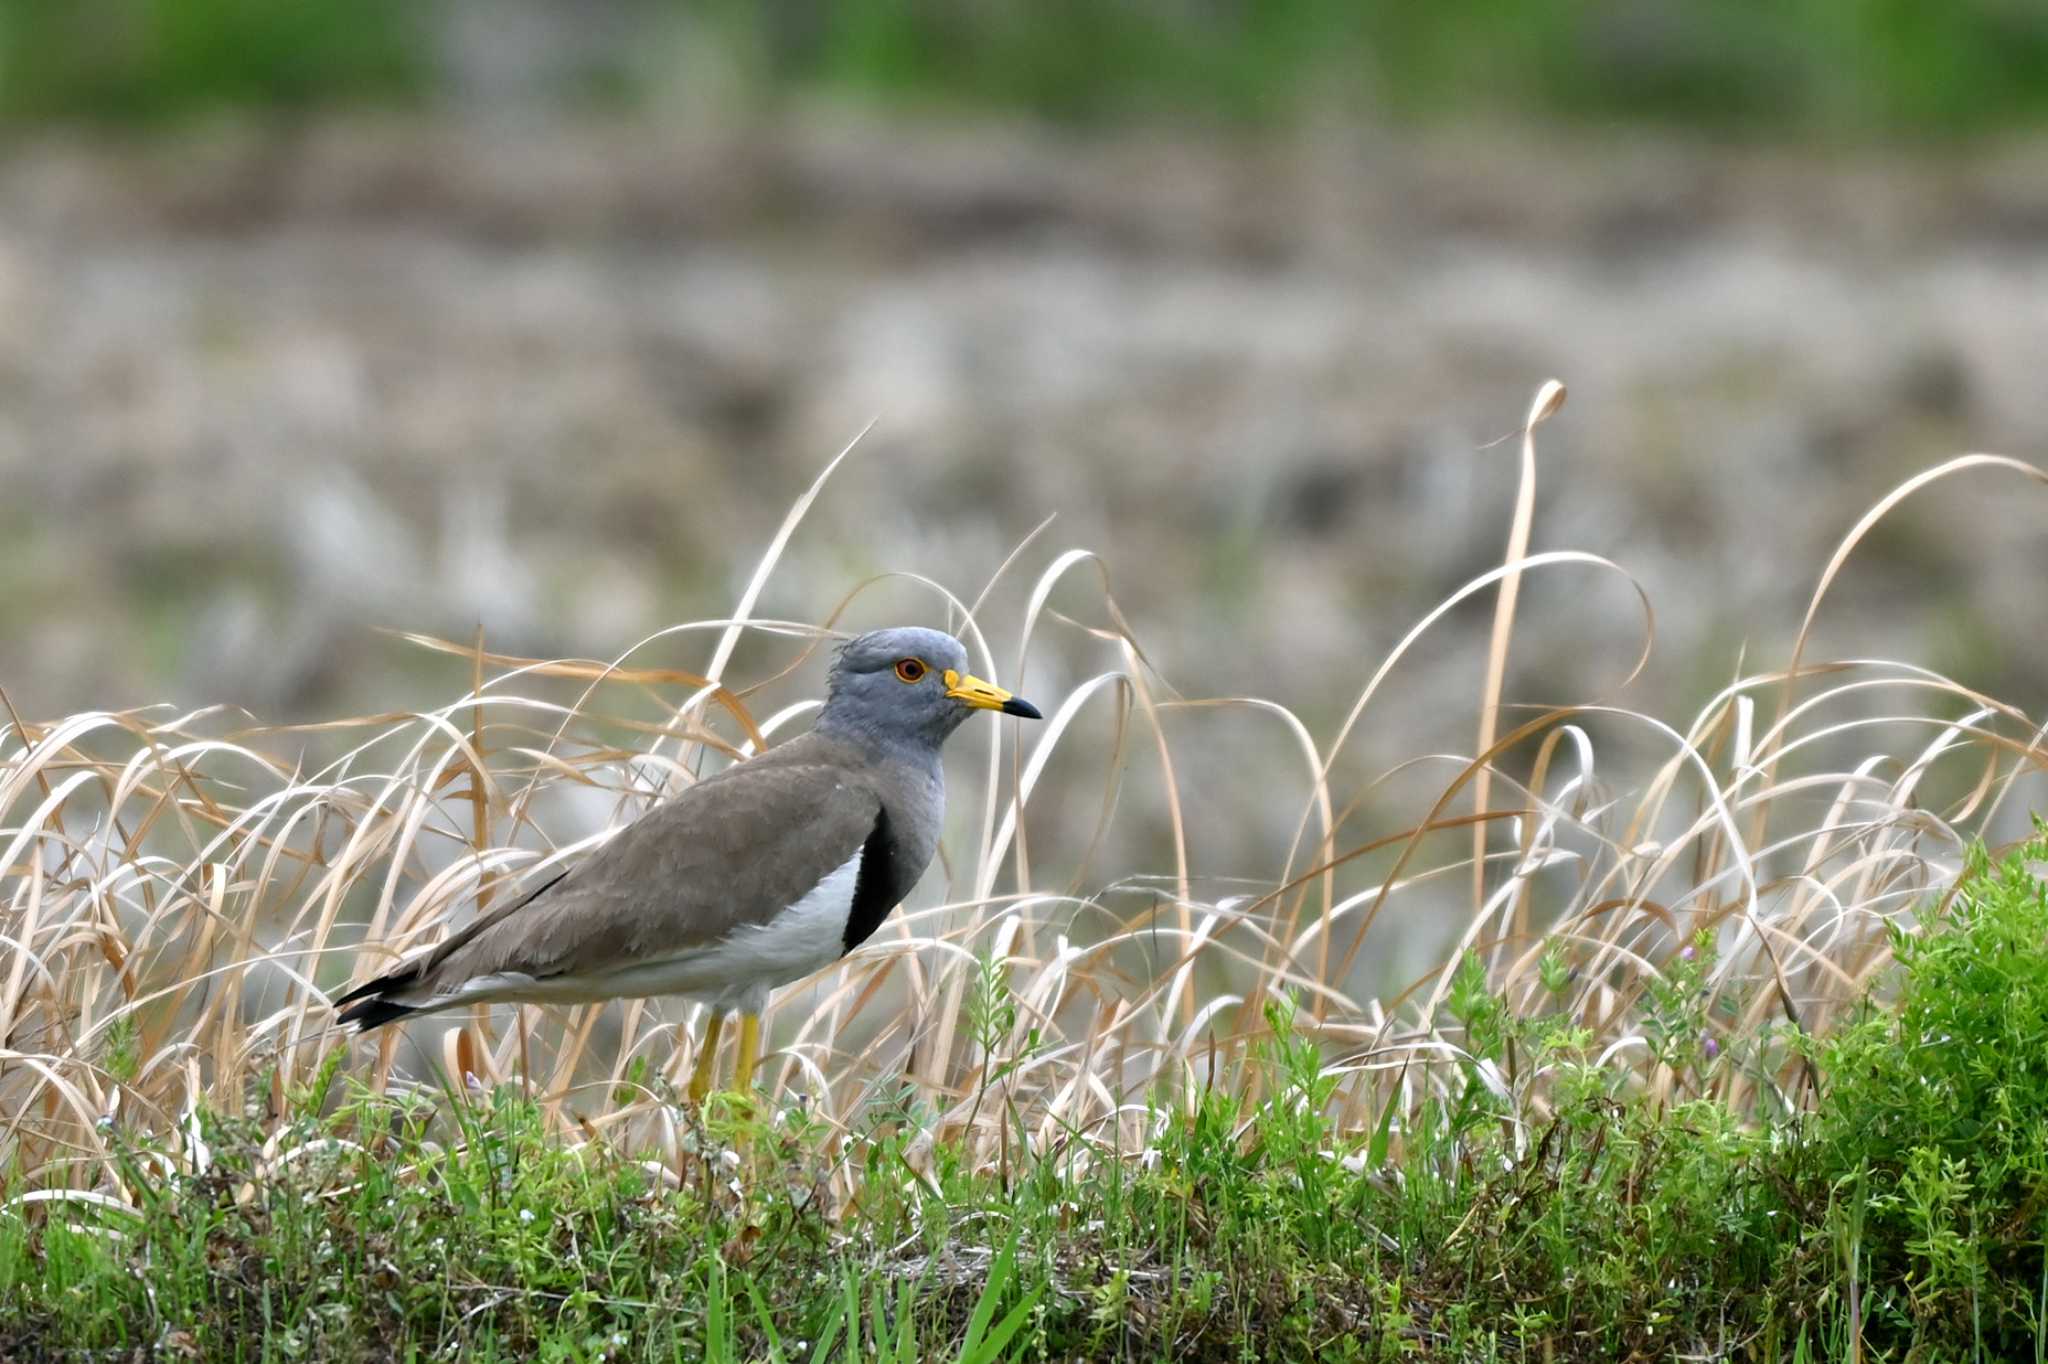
(538, 314)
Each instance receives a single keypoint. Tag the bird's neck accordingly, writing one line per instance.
(912, 751)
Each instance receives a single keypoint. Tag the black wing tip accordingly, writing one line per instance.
(368, 1013)
(367, 1006)
(363, 991)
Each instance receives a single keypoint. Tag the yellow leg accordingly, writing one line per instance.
(750, 1052)
(707, 1052)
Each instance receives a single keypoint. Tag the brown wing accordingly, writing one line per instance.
(733, 850)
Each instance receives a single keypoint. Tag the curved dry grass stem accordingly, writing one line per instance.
(1863, 526)
(1548, 400)
(180, 893)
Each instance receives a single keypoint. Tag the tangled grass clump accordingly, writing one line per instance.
(1032, 1111)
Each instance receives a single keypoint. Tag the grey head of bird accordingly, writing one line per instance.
(907, 688)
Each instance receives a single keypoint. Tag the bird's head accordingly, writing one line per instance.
(908, 685)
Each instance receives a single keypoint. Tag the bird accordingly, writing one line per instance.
(759, 875)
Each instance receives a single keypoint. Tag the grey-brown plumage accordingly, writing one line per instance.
(756, 876)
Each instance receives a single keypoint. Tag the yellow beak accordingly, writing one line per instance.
(987, 696)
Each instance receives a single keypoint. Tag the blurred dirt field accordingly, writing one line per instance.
(264, 390)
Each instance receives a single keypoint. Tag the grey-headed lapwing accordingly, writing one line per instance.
(760, 875)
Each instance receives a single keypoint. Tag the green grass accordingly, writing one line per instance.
(150, 61)
(1908, 1207)
(1806, 67)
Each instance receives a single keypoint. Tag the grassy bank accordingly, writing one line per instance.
(1735, 1050)
(1906, 1209)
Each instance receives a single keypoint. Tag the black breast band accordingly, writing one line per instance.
(875, 892)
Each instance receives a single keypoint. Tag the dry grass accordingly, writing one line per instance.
(182, 897)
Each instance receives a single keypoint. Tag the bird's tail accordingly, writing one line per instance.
(371, 1006)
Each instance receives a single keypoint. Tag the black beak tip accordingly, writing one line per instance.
(1021, 708)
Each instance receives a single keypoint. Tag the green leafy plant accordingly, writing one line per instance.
(1933, 1129)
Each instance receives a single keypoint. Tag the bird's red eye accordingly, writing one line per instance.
(910, 670)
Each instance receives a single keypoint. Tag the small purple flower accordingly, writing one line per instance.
(1687, 953)
(1712, 1048)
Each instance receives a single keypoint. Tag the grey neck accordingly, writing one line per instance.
(915, 749)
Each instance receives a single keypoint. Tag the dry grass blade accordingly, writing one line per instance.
(1548, 400)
